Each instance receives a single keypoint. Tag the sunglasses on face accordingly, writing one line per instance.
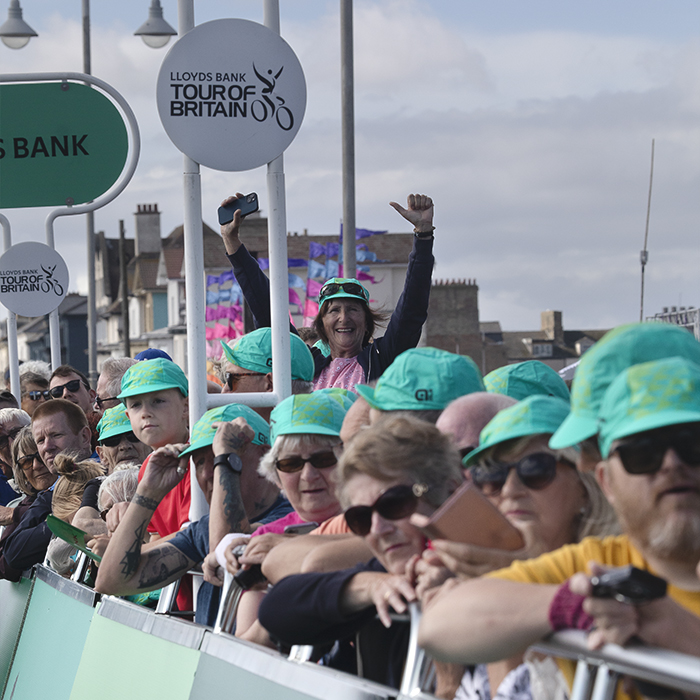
(644, 453)
(357, 290)
(232, 378)
(318, 460)
(11, 435)
(101, 402)
(536, 471)
(27, 462)
(395, 503)
(114, 440)
(38, 395)
(73, 385)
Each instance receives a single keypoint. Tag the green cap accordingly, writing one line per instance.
(152, 375)
(535, 415)
(203, 432)
(346, 397)
(253, 351)
(343, 288)
(114, 421)
(525, 379)
(423, 379)
(647, 396)
(617, 350)
(317, 414)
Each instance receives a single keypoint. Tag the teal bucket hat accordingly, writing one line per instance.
(648, 396)
(423, 379)
(616, 351)
(315, 414)
(152, 375)
(203, 432)
(114, 421)
(253, 351)
(343, 288)
(535, 415)
(525, 379)
(346, 397)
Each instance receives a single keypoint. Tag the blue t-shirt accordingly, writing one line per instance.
(7, 493)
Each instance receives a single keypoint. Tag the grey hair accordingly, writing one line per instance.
(120, 486)
(427, 415)
(24, 443)
(267, 466)
(299, 386)
(12, 415)
(43, 369)
(115, 368)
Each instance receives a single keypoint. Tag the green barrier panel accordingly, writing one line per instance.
(52, 641)
(14, 599)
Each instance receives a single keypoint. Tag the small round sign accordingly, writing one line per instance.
(231, 94)
(33, 279)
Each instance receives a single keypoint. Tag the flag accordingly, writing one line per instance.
(310, 308)
(332, 269)
(296, 281)
(264, 263)
(316, 269)
(316, 249)
(294, 299)
(332, 249)
(297, 262)
(313, 288)
(365, 256)
(361, 233)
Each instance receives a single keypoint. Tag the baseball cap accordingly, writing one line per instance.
(114, 421)
(203, 432)
(253, 351)
(346, 397)
(423, 379)
(524, 379)
(343, 288)
(152, 375)
(622, 347)
(535, 415)
(648, 396)
(317, 414)
(152, 354)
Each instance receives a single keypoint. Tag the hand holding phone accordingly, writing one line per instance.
(247, 204)
(628, 584)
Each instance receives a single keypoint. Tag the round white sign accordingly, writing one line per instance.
(33, 279)
(231, 94)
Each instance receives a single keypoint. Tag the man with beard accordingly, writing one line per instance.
(649, 438)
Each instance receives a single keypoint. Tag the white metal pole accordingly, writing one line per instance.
(348, 137)
(12, 354)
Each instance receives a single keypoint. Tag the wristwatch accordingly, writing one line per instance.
(230, 460)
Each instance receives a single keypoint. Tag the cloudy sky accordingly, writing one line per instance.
(529, 122)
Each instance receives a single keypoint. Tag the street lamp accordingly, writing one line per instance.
(16, 33)
(155, 31)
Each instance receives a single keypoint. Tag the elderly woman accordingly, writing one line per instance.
(345, 321)
(387, 473)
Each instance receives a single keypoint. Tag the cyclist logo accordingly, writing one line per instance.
(266, 108)
(51, 283)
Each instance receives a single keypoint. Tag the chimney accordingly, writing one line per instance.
(147, 229)
(552, 326)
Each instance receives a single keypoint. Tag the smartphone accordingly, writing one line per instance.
(247, 204)
(628, 585)
(300, 529)
(469, 517)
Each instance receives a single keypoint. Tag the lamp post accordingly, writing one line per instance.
(16, 33)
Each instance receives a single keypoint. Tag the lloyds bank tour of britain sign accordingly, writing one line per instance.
(231, 94)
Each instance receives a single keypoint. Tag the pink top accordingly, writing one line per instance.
(342, 372)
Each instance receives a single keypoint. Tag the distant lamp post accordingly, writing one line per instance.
(16, 33)
(155, 31)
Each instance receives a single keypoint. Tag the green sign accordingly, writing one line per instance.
(60, 144)
(73, 535)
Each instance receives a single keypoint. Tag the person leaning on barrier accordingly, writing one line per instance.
(345, 321)
(648, 433)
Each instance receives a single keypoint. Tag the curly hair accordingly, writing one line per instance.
(68, 492)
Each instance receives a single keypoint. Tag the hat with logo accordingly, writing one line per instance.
(253, 351)
(203, 432)
(617, 350)
(114, 421)
(535, 415)
(346, 397)
(525, 379)
(152, 354)
(343, 288)
(316, 414)
(152, 375)
(423, 379)
(648, 396)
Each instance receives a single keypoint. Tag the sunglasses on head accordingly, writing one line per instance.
(73, 385)
(536, 471)
(395, 503)
(357, 290)
(318, 460)
(27, 461)
(11, 435)
(114, 440)
(38, 395)
(644, 453)
(233, 378)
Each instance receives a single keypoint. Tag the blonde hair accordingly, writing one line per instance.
(23, 444)
(68, 492)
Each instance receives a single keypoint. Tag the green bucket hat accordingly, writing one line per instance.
(526, 379)
(317, 414)
(535, 415)
(622, 347)
(343, 288)
(346, 397)
(253, 351)
(648, 396)
(203, 432)
(114, 421)
(423, 379)
(152, 375)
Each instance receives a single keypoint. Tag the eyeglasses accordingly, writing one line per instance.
(318, 460)
(26, 462)
(103, 513)
(395, 503)
(114, 440)
(38, 395)
(536, 471)
(73, 385)
(233, 378)
(644, 453)
(11, 435)
(357, 290)
(101, 402)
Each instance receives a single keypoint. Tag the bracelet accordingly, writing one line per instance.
(423, 235)
(566, 610)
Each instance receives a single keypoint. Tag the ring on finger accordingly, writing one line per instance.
(387, 595)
